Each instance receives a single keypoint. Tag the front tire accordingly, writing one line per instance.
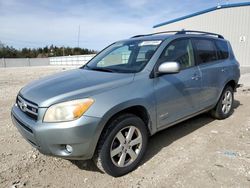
(224, 107)
(122, 145)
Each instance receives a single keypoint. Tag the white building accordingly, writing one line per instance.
(230, 20)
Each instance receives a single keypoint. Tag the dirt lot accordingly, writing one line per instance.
(201, 152)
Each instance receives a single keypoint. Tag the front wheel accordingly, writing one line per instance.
(122, 145)
(224, 107)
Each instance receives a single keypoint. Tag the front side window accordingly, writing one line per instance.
(180, 51)
(205, 50)
(124, 57)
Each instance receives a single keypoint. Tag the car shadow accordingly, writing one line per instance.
(86, 165)
(163, 138)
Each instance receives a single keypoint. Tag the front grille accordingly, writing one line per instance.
(29, 108)
(24, 126)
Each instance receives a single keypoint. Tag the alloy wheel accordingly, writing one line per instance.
(227, 102)
(126, 146)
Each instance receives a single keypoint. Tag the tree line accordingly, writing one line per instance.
(47, 51)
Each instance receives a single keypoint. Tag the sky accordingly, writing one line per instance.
(37, 23)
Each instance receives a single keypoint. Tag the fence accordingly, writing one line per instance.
(71, 60)
(23, 62)
(63, 60)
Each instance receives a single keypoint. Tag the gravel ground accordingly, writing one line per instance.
(200, 152)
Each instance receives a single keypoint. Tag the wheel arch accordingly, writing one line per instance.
(216, 111)
(137, 109)
(231, 83)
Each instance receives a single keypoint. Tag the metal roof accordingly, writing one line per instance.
(203, 12)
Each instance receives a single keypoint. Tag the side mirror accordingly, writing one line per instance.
(169, 68)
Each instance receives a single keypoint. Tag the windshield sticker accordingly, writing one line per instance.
(149, 43)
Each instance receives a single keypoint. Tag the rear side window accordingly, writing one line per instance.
(222, 49)
(205, 50)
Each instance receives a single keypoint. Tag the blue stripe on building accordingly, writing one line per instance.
(203, 12)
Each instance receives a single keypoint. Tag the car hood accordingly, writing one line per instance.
(73, 84)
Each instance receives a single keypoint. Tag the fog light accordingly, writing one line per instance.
(69, 148)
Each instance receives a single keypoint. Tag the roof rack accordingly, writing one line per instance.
(154, 34)
(181, 32)
(200, 32)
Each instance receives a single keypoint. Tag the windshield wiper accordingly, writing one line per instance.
(97, 68)
(85, 66)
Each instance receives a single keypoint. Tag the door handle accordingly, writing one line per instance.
(196, 77)
(223, 70)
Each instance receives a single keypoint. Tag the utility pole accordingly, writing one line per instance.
(78, 39)
(63, 51)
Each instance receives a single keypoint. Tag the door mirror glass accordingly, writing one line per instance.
(169, 68)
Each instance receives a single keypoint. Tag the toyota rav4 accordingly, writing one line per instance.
(107, 109)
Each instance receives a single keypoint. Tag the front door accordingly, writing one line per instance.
(177, 95)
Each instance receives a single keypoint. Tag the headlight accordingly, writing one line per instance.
(67, 111)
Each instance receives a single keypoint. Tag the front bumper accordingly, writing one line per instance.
(51, 138)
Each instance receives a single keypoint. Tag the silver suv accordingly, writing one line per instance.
(107, 109)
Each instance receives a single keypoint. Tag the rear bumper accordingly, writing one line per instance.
(51, 138)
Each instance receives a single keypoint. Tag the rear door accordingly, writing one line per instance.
(212, 67)
(177, 95)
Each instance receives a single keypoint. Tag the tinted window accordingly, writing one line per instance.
(180, 51)
(222, 49)
(205, 50)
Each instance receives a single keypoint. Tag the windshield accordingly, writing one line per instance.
(124, 57)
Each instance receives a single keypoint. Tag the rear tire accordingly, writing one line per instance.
(224, 107)
(122, 145)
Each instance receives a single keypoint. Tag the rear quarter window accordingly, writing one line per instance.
(222, 49)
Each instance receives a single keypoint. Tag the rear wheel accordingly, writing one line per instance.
(224, 107)
(122, 145)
